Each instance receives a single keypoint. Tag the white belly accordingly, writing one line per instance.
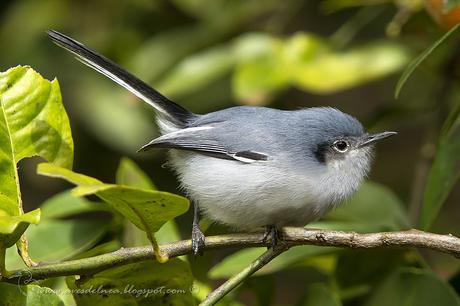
(250, 195)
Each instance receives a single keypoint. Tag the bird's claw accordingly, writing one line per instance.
(198, 240)
(273, 236)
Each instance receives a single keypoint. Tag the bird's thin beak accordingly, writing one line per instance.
(371, 138)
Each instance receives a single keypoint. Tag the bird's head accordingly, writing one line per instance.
(341, 144)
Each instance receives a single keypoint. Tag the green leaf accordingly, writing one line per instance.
(69, 238)
(129, 174)
(33, 122)
(100, 249)
(169, 232)
(443, 174)
(364, 269)
(29, 295)
(309, 63)
(413, 287)
(147, 209)
(419, 59)
(133, 236)
(235, 262)
(334, 71)
(65, 204)
(70, 176)
(373, 205)
(258, 75)
(14, 226)
(320, 294)
(196, 71)
(146, 283)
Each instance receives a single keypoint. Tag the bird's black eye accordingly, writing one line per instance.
(340, 146)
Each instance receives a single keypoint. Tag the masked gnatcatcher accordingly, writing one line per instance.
(249, 167)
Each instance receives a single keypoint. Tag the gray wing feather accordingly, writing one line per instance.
(199, 140)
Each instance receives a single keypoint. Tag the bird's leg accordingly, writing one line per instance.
(198, 239)
(272, 233)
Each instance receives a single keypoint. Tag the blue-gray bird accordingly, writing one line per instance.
(250, 167)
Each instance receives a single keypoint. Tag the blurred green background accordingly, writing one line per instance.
(208, 55)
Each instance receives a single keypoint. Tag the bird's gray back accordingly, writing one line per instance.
(270, 131)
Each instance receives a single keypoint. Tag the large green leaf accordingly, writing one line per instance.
(258, 75)
(334, 71)
(147, 209)
(29, 295)
(65, 204)
(197, 70)
(128, 173)
(33, 122)
(443, 174)
(69, 238)
(357, 271)
(309, 63)
(373, 208)
(146, 283)
(413, 287)
(75, 236)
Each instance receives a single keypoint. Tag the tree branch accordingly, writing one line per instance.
(291, 237)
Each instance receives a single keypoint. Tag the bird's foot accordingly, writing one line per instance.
(198, 240)
(273, 236)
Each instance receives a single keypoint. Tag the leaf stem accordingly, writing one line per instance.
(161, 258)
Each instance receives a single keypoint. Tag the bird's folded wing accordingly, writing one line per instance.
(198, 139)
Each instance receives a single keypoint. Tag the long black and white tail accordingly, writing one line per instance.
(170, 112)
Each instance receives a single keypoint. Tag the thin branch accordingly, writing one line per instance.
(292, 236)
(237, 279)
